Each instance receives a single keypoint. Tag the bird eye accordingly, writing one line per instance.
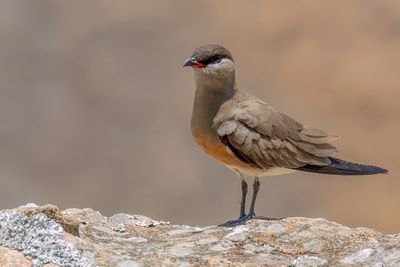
(213, 59)
(217, 58)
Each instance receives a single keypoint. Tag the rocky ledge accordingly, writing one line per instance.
(45, 236)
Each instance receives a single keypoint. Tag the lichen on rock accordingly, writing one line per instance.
(46, 236)
(38, 237)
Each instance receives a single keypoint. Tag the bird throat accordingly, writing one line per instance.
(208, 99)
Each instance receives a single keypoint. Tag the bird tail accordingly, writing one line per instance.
(342, 167)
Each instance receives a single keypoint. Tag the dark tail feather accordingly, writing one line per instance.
(341, 167)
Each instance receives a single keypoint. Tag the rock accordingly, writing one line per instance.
(10, 257)
(45, 236)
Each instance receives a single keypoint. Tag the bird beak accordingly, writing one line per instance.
(192, 62)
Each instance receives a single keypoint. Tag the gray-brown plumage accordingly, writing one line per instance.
(251, 137)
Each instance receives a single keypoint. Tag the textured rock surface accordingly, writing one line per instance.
(32, 235)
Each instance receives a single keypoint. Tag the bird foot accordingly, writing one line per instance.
(242, 220)
(267, 218)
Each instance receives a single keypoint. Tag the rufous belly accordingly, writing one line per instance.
(217, 150)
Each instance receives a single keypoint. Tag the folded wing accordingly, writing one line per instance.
(263, 137)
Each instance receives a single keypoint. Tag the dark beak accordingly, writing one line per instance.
(192, 62)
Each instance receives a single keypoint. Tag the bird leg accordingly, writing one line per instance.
(243, 216)
(256, 187)
(243, 202)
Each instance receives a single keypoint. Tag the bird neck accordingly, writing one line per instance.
(211, 93)
(220, 78)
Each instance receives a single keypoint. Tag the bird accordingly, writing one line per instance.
(249, 136)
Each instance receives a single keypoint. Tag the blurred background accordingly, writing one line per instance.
(95, 105)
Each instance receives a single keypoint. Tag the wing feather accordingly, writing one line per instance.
(256, 133)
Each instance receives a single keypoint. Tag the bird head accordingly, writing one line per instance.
(211, 62)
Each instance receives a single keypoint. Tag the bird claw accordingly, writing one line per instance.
(242, 220)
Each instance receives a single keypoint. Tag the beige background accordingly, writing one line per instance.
(95, 105)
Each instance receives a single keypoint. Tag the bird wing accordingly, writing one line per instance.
(259, 135)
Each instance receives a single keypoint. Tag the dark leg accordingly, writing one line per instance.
(256, 187)
(243, 202)
(243, 217)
